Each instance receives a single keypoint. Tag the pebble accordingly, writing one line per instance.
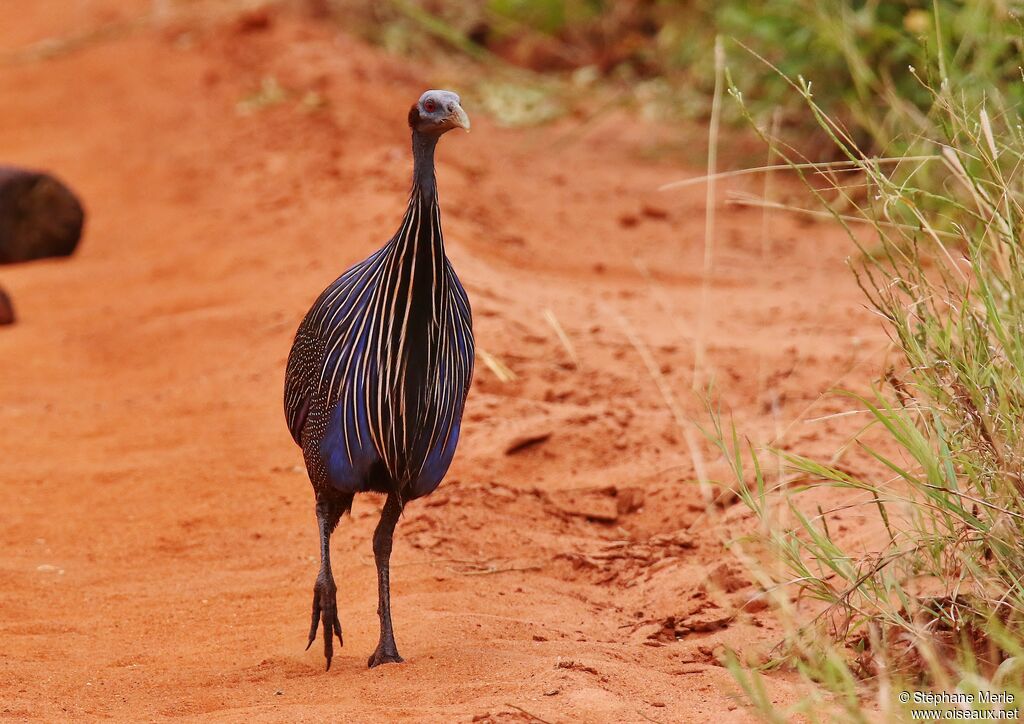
(6, 309)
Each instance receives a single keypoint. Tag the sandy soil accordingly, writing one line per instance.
(158, 544)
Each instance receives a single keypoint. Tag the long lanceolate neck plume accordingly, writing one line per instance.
(415, 303)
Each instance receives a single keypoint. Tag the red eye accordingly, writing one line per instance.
(429, 106)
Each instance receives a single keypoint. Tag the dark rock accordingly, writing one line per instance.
(39, 216)
(6, 309)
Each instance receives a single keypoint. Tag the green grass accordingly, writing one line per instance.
(857, 54)
(874, 65)
(935, 599)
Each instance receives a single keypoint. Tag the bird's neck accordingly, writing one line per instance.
(423, 179)
(422, 219)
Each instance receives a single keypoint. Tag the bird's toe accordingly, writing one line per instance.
(325, 611)
(383, 656)
(316, 620)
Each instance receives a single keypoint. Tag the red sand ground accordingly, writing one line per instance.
(158, 545)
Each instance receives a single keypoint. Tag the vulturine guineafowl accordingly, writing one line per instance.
(378, 376)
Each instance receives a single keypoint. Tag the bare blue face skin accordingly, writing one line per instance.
(439, 111)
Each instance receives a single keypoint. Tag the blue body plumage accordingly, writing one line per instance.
(385, 358)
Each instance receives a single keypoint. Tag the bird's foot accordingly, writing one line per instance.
(325, 608)
(385, 654)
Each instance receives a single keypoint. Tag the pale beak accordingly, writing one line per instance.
(459, 118)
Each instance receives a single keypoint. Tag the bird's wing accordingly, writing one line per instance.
(322, 339)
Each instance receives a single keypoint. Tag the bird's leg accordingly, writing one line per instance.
(325, 593)
(386, 652)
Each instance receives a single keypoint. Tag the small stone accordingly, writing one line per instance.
(47, 568)
(40, 217)
(6, 309)
(279, 692)
(552, 692)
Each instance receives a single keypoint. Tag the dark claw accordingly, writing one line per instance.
(325, 608)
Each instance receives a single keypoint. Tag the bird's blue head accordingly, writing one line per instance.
(437, 112)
